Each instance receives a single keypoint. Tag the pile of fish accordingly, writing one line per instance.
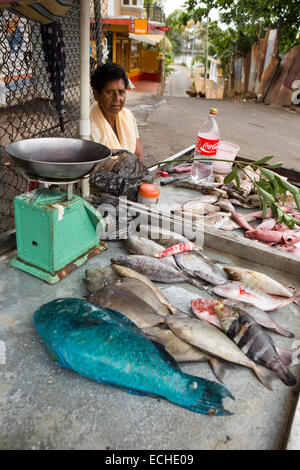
(232, 327)
(218, 206)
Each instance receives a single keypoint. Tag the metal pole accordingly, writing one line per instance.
(163, 67)
(84, 123)
(98, 31)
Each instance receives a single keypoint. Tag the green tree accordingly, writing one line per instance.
(246, 21)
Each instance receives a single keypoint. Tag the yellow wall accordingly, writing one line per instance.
(150, 61)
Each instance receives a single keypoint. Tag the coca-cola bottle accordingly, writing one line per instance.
(206, 147)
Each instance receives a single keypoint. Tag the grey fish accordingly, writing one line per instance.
(183, 351)
(137, 245)
(124, 271)
(125, 302)
(95, 279)
(198, 265)
(254, 341)
(144, 292)
(155, 270)
(260, 316)
(212, 340)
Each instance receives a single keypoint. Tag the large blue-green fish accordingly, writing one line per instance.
(105, 346)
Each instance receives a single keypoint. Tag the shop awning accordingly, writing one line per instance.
(152, 39)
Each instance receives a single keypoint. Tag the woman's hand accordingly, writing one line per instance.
(139, 150)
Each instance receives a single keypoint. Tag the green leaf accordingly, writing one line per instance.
(265, 210)
(237, 180)
(264, 160)
(267, 196)
(267, 173)
(275, 165)
(228, 178)
(297, 200)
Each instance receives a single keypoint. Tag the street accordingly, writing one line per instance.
(170, 123)
(178, 82)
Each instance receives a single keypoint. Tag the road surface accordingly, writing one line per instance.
(178, 82)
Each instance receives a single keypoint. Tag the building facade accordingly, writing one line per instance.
(133, 33)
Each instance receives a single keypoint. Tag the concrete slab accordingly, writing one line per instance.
(43, 406)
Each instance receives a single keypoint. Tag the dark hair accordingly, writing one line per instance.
(107, 73)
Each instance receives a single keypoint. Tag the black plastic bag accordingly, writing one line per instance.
(121, 175)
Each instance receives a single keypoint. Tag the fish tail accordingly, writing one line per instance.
(203, 396)
(194, 282)
(265, 376)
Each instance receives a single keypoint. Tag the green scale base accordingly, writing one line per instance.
(55, 235)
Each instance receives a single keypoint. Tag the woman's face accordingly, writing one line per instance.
(112, 97)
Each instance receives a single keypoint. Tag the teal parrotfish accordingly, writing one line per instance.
(103, 345)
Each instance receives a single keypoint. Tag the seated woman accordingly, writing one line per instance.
(112, 124)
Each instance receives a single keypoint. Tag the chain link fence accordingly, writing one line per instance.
(29, 106)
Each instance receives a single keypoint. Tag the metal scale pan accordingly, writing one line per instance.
(57, 158)
(55, 234)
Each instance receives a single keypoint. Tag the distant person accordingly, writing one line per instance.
(112, 124)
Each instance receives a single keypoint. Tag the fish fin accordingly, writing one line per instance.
(167, 356)
(296, 297)
(285, 354)
(283, 332)
(57, 356)
(218, 369)
(204, 396)
(264, 375)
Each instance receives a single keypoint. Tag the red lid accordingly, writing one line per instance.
(149, 190)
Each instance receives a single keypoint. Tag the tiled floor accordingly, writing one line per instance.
(145, 86)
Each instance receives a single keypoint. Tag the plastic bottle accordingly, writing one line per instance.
(206, 146)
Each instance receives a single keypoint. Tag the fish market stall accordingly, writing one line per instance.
(46, 406)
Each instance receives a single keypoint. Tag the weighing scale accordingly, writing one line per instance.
(56, 230)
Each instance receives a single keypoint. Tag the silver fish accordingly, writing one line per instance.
(198, 265)
(137, 245)
(225, 205)
(221, 220)
(162, 236)
(253, 341)
(199, 201)
(184, 352)
(125, 302)
(257, 280)
(210, 339)
(154, 269)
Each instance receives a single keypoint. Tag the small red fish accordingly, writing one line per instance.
(239, 219)
(289, 237)
(175, 249)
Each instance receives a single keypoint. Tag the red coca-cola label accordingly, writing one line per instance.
(206, 147)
